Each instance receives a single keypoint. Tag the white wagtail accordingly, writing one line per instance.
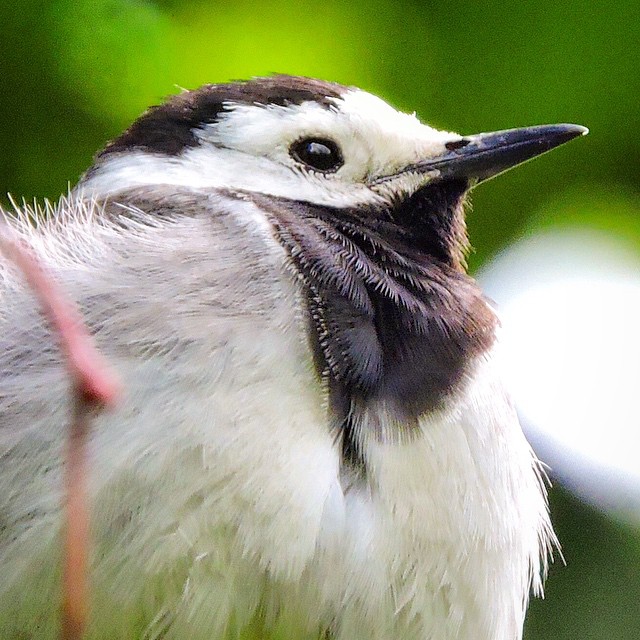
(315, 440)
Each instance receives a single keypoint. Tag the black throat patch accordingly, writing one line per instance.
(394, 320)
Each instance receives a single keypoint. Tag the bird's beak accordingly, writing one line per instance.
(485, 155)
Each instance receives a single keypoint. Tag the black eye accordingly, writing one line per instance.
(318, 153)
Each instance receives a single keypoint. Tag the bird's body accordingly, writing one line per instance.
(315, 440)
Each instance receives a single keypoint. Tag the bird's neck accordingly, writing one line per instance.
(389, 324)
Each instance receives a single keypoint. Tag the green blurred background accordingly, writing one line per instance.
(74, 73)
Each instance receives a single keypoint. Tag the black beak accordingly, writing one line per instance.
(485, 155)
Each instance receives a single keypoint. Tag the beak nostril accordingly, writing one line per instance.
(457, 144)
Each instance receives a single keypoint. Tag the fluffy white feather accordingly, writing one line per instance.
(218, 503)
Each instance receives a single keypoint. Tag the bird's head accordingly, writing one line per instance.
(368, 203)
(321, 143)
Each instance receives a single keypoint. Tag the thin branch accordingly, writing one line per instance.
(94, 386)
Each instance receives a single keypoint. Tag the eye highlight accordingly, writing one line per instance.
(320, 154)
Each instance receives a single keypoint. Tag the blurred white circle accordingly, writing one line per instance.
(569, 300)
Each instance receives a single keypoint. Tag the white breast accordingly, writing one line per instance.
(445, 537)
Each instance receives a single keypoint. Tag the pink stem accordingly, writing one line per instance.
(94, 386)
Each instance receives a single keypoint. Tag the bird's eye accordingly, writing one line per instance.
(318, 153)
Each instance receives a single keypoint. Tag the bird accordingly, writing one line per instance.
(315, 438)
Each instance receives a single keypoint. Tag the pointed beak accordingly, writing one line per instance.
(486, 155)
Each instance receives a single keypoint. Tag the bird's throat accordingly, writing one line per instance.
(393, 319)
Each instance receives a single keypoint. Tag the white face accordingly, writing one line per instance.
(249, 149)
